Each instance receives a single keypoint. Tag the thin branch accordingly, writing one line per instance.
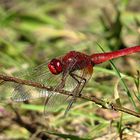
(100, 102)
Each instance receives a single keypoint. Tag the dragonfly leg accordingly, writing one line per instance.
(81, 82)
(46, 102)
(77, 91)
(61, 85)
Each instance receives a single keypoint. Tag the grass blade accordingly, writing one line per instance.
(122, 81)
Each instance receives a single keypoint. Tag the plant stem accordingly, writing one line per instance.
(88, 98)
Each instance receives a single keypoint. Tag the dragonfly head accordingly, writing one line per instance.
(55, 66)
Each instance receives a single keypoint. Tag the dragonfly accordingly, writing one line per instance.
(66, 74)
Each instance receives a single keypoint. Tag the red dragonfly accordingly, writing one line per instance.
(70, 72)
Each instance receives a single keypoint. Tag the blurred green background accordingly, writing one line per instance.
(36, 30)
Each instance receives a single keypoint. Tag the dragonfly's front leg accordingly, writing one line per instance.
(80, 83)
(77, 90)
(61, 85)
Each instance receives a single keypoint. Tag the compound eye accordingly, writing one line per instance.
(52, 69)
(55, 66)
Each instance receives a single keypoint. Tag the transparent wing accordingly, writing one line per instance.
(54, 102)
(5, 90)
(39, 74)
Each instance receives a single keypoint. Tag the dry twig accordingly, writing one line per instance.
(94, 99)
